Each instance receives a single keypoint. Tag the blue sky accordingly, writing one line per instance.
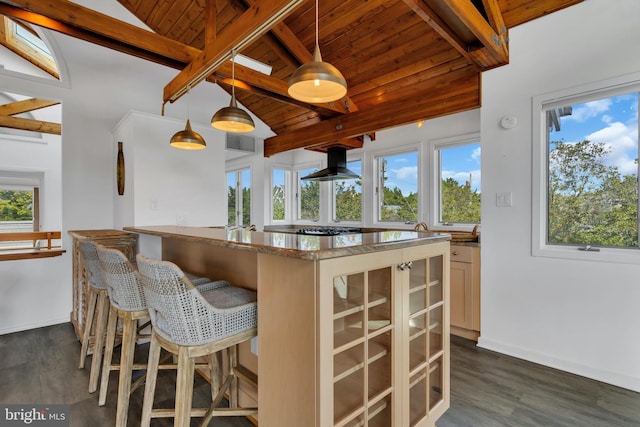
(612, 121)
(458, 162)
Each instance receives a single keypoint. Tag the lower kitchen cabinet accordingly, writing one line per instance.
(465, 291)
(383, 331)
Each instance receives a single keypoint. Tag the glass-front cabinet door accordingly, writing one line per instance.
(427, 358)
(383, 338)
(364, 330)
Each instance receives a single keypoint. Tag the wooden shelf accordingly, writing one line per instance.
(30, 254)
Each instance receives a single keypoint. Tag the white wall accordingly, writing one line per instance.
(574, 315)
(33, 161)
(99, 88)
(165, 185)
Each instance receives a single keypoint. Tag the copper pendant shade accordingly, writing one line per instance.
(232, 118)
(317, 81)
(187, 139)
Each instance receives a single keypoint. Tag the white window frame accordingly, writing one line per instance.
(414, 148)
(540, 104)
(238, 189)
(287, 194)
(332, 196)
(436, 173)
(297, 174)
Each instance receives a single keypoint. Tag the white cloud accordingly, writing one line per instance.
(622, 142)
(589, 110)
(475, 156)
(407, 173)
(462, 177)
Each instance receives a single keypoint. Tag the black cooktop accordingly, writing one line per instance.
(327, 231)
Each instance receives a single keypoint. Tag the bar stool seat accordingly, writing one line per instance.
(128, 305)
(97, 311)
(191, 323)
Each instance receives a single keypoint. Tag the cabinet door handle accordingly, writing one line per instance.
(410, 264)
(402, 266)
(455, 253)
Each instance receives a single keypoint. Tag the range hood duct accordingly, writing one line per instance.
(336, 167)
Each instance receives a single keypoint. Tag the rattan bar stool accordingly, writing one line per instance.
(128, 305)
(192, 323)
(97, 311)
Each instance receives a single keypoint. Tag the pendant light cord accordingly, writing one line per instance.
(317, 23)
(233, 74)
(188, 96)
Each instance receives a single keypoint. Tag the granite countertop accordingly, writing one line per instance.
(296, 245)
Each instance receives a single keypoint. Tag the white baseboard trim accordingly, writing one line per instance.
(26, 327)
(613, 378)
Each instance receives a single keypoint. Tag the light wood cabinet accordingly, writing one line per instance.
(465, 291)
(352, 331)
(123, 241)
(383, 338)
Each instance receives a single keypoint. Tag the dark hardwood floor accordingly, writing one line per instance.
(487, 388)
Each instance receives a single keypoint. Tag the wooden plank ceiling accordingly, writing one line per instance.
(404, 60)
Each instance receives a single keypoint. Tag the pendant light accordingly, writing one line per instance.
(232, 118)
(317, 81)
(187, 139)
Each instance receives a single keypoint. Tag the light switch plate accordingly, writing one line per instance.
(504, 200)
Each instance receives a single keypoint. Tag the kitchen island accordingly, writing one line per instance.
(353, 330)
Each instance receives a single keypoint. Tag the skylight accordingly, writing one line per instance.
(253, 64)
(22, 40)
(31, 39)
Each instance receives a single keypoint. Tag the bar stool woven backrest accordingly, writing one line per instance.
(123, 283)
(92, 264)
(182, 315)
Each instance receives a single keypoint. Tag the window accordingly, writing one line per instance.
(397, 187)
(588, 172)
(239, 197)
(19, 211)
(458, 181)
(308, 196)
(22, 39)
(348, 195)
(279, 191)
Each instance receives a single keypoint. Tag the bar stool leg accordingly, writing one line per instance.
(108, 356)
(233, 362)
(129, 328)
(215, 362)
(184, 388)
(103, 311)
(91, 310)
(150, 384)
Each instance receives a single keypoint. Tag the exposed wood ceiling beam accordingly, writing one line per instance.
(76, 21)
(496, 20)
(272, 87)
(475, 22)
(85, 24)
(458, 92)
(30, 125)
(254, 22)
(431, 17)
(25, 106)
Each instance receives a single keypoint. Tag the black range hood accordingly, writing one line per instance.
(336, 167)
